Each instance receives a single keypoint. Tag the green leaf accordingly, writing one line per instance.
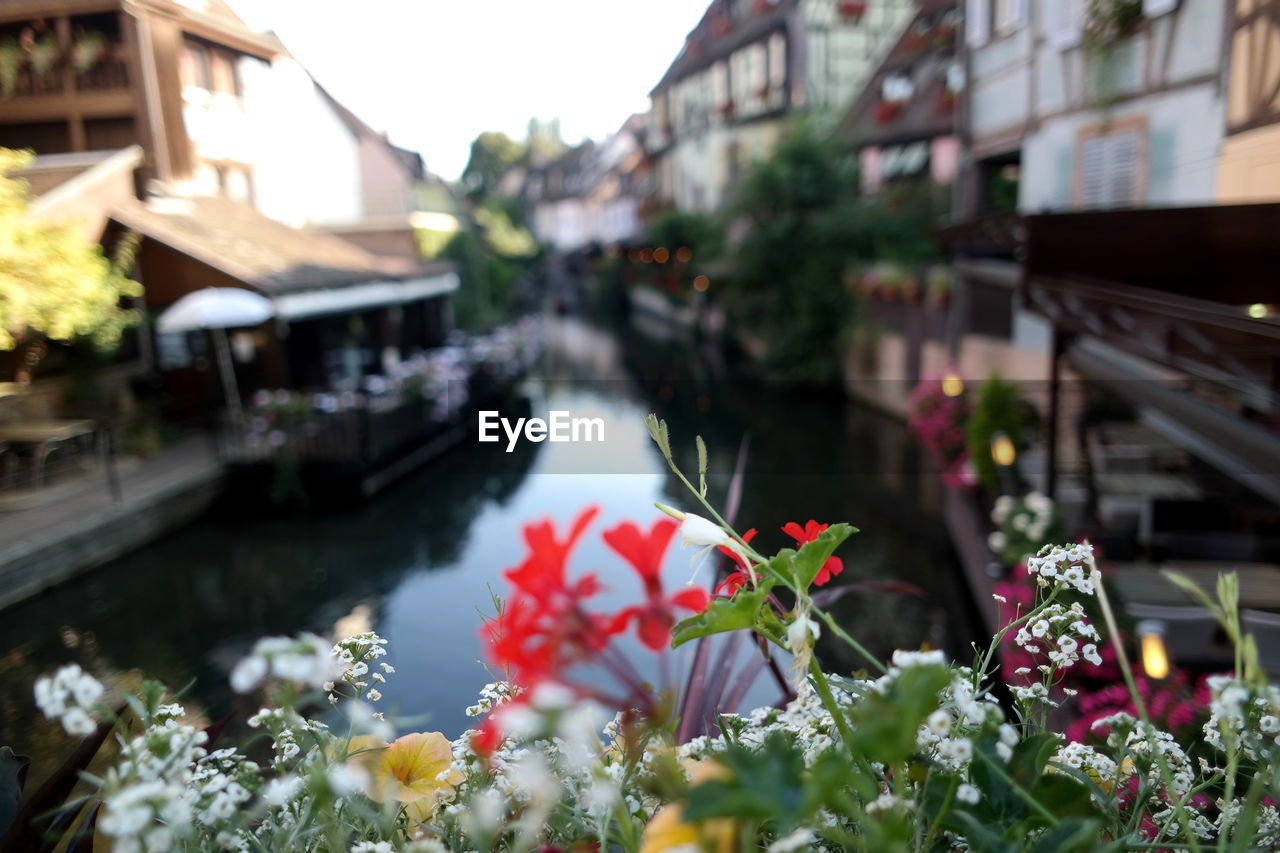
(765, 783)
(1031, 756)
(1070, 835)
(13, 776)
(885, 726)
(724, 614)
(801, 567)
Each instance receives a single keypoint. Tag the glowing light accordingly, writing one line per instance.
(952, 385)
(684, 254)
(1258, 310)
(661, 255)
(1003, 452)
(646, 256)
(701, 283)
(634, 256)
(1155, 658)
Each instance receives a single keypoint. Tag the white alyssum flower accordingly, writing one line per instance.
(303, 659)
(968, 794)
(801, 839)
(70, 696)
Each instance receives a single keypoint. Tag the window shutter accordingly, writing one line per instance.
(977, 22)
(1155, 8)
(1066, 23)
(1124, 163)
(1093, 156)
(1109, 170)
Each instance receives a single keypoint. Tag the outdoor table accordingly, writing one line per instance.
(1142, 583)
(44, 437)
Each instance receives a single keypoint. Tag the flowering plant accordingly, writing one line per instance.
(913, 753)
(937, 421)
(1023, 525)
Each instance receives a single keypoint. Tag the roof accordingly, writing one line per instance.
(924, 52)
(567, 176)
(410, 161)
(704, 47)
(53, 170)
(260, 252)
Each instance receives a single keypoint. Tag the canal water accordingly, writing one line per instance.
(418, 563)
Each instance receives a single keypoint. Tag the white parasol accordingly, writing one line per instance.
(218, 309)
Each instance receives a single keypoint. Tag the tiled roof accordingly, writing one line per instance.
(264, 254)
(704, 46)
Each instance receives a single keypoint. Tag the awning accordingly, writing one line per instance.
(306, 304)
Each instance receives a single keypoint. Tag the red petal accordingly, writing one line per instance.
(832, 567)
(734, 555)
(644, 552)
(693, 598)
(795, 531)
(655, 629)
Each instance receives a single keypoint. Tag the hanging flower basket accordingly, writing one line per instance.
(914, 41)
(854, 9)
(887, 111)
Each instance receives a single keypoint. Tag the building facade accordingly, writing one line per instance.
(746, 67)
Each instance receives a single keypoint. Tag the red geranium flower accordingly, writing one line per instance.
(803, 535)
(737, 580)
(645, 553)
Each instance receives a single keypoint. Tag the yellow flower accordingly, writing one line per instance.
(413, 770)
(668, 829)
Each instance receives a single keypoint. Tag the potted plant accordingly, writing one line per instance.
(939, 283)
(11, 58)
(852, 8)
(89, 49)
(43, 53)
(721, 26)
(1109, 21)
(914, 41)
(887, 111)
(947, 100)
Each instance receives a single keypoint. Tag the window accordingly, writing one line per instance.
(196, 68)
(985, 18)
(224, 73)
(1110, 165)
(1009, 16)
(1066, 23)
(777, 61)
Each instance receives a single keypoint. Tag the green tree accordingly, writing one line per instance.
(802, 222)
(493, 154)
(53, 284)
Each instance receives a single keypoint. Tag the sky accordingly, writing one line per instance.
(435, 73)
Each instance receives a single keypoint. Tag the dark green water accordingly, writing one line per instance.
(417, 563)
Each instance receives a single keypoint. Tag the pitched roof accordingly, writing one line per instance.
(410, 161)
(704, 46)
(923, 52)
(52, 170)
(264, 254)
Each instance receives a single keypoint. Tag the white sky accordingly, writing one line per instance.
(434, 73)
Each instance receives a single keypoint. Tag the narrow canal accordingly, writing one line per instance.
(418, 562)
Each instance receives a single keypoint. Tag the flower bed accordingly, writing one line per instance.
(576, 752)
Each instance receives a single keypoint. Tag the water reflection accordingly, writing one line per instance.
(418, 563)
